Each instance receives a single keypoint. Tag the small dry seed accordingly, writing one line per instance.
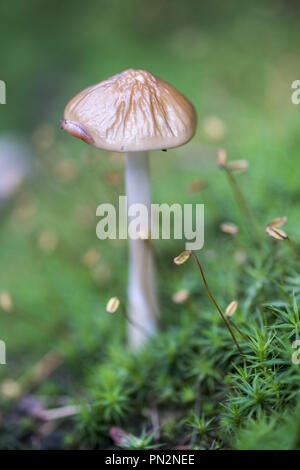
(240, 256)
(278, 222)
(6, 301)
(66, 171)
(11, 388)
(276, 233)
(90, 258)
(183, 257)
(238, 166)
(112, 305)
(222, 157)
(181, 296)
(214, 127)
(196, 186)
(47, 241)
(231, 308)
(228, 227)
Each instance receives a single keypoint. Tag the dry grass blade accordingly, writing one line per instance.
(230, 169)
(58, 413)
(48, 364)
(10, 388)
(36, 375)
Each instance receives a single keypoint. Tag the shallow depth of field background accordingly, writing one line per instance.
(235, 61)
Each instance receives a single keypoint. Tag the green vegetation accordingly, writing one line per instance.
(235, 61)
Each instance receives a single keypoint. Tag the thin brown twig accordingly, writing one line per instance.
(218, 308)
(246, 211)
(134, 323)
(238, 330)
(293, 247)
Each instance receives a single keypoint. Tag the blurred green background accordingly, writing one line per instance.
(234, 60)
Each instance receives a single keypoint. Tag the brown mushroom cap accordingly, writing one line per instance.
(129, 112)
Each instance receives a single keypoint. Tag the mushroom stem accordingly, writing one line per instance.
(143, 305)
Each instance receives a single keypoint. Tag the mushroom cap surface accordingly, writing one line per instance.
(130, 112)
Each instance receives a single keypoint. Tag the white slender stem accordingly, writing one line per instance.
(143, 306)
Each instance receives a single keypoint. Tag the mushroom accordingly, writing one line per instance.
(134, 112)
